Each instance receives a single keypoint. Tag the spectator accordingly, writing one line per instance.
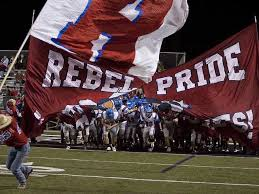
(19, 77)
(20, 62)
(13, 92)
(8, 90)
(3, 65)
(11, 59)
(20, 103)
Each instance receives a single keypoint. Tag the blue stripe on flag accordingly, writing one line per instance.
(61, 32)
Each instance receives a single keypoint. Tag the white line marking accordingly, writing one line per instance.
(33, 174)
(155, 180)
(220, 167)
(157, 153)
(142, 163)
(38, 169)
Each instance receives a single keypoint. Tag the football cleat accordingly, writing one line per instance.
(21, 186)
(152, 145)
(114, 149)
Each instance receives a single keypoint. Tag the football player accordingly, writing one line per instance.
(67, 122)
(110, 126)
(148, 118)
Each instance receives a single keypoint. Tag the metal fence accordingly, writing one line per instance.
(172, 59)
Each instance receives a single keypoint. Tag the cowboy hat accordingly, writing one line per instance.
(5, 121)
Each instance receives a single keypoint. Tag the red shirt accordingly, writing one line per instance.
(14, 92)
(13, 135)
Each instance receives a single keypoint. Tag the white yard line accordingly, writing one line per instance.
(159, 153)
(139, 163)
(33, 174)
(154, 180)
(219, 167)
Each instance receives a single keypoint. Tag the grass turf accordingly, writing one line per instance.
(201, 174)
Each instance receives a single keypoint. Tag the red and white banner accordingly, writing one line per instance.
(90, 49)
(222, 84)
(127, 33)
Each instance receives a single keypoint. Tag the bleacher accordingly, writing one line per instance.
(11, 82)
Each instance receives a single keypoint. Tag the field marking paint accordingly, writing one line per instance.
(159, 153)
(220, 167)
(142, 163)
(38, 169)
(33, 174)
(157, 180)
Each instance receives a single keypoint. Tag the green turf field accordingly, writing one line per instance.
(132, 173)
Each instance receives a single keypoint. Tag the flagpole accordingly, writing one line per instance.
(32, 18)
(15, 59)
(256, 27)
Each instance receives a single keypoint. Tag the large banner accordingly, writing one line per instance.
(221, 84)
(90, 49)
(125, 34)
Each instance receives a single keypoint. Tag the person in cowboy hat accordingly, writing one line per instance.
(12, 135)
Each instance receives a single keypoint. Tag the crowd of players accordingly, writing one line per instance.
(131, 122)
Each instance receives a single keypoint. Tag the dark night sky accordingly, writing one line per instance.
(209, 23)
